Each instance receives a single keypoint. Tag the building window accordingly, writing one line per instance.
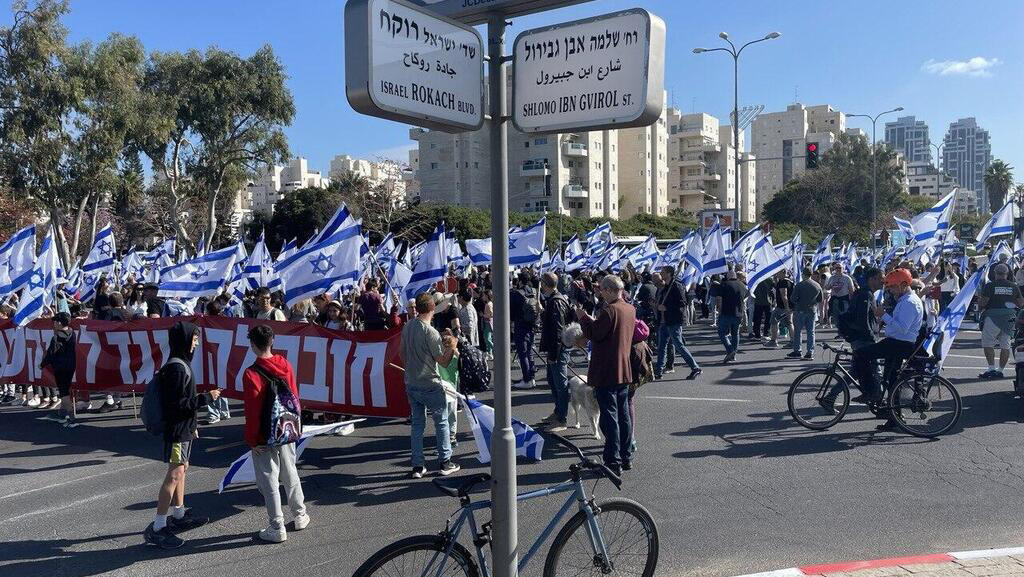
(433, 166)
(476, 164)
(433, 145)
(527, 144)
(540, 141)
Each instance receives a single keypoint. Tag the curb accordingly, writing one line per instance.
(850, 566)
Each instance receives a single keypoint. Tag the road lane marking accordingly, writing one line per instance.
(967, 356)
(700, 399)
(2, 497)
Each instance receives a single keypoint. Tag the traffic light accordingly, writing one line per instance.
(812, 155)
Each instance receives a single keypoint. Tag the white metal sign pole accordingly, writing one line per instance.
(503, 441)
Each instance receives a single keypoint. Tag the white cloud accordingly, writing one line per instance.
(978, 67)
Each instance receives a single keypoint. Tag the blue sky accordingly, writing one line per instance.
(859, 56)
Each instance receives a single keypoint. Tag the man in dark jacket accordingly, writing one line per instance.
(610, 371)
(857, 324)
(60, 358)
(180, 403)
(520, 300)
(553, 321)
(672, 308)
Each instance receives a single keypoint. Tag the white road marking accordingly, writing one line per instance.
(967, 356)
(982, 553)
(700, 399)
(2, 497)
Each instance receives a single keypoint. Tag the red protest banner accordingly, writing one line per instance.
(344, 372)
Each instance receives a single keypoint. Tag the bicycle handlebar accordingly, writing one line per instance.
(839, 350)
(587, 462)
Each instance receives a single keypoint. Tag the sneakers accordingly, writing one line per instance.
(448, 467)
(794, 355)
(33, 402)
(83, 407)
(212, 420)
(107, 407)
(163, 538)
(991, 374)
(300, 522)
(417, 472)
(772, 345)
(809, 356)
(273, 536)
(17, 402)
(694, 374)
(729, 356)
(186, 523)
(669, 371)
(524, 385)
(54, 403)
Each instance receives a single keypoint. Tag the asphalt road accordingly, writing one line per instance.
(734, 484)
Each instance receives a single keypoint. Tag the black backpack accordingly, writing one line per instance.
(152, 406)
(474, 376)
(281, 418)
(530, 306)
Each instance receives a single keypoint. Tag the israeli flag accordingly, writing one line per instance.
(241, 470)
(932, 224)
(17, 260)
(386, 248)
(40, 285)
(764, 262)
(714, 252)
(888, 256)
(823, 255)
(342, 219)
(258, 270)
(398, 277)
(796, 263)
(324, 267)
(431, 265)
(526, 246)
(166, 248)
(479, 250)
(695, 258)
(1000, 223)
(98, 263)
(287, 250)
(574, 256)
(920, 254)
(673, 254)
(948, 323)
(200, 276)
(852, 258)
(951, 242)
(906, 227)
(1018, 247)
(1001, 249)
(745, 245)
(600, 238)
(641, 256)
(529, 443)
(133, 266)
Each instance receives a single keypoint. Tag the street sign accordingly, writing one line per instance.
(966, 230)
(726, 218)
(476, 11)
(591, 74)
(404, 63)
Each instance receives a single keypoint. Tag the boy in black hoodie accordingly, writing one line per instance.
(60, 357)
(180, 404)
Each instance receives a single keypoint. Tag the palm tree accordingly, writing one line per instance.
(998, 179)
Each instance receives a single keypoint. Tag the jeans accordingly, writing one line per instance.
(275, 466)
(616, 425)
(803, 321)
(729, 333)
(523, 341)
(558, 379)
(672, 335)
(762, 320)
(421, 400)
(219, 409)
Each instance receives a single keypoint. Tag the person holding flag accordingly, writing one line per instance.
(999, 301)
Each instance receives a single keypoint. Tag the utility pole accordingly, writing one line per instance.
(874, 169)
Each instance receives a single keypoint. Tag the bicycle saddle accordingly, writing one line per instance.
(460, 486)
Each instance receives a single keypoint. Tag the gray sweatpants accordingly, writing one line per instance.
(276, 466)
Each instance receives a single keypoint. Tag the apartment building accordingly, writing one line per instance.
(966, 156)
(643, 169)
(779, 140)
(928, 181)
(279, 180)
(909, 136)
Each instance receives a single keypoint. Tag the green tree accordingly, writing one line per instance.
(300, 214)
(837, 197)
(998, 180)
(210, 116)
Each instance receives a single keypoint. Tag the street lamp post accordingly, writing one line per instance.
(736, 107)
(874, 168)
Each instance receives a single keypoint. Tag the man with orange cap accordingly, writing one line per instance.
(902, 327)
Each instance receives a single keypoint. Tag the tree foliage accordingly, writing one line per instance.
(998, 180)
(837, 196)
(300, 214)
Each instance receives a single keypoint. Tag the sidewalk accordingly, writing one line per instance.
(981, 563)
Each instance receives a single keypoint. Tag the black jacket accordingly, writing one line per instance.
(60, 353)
(856, 324)
(674, 300)
(553, 321)
(178, 395)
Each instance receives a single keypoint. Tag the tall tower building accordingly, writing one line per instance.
(909, 136)
(966, 156)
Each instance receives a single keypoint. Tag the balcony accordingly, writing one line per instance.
(534, 168)
(689, 131)
(575, 191)
(711, 176)
(408, 175)
(711, 147)
(688, 189)
(692, 160)
(574, 149)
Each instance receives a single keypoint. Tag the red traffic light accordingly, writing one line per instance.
(812, 147)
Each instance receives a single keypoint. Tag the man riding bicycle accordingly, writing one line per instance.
(902, 328)
(858, 326)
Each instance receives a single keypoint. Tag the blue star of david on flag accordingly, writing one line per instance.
(36, 281)
(198, 274)
(512, 243)
(753, 266)
(321, 264)
(105, 247)
(90, 279)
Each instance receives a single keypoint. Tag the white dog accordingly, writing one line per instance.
(582, 397)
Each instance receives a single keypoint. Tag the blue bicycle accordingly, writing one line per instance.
(613, 537)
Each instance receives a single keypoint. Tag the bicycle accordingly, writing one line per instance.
(923, 403)
(599, 538)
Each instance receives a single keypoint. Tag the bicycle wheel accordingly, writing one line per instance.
(925, 405)
(418, 556)
(629, 534)
(819, 398)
